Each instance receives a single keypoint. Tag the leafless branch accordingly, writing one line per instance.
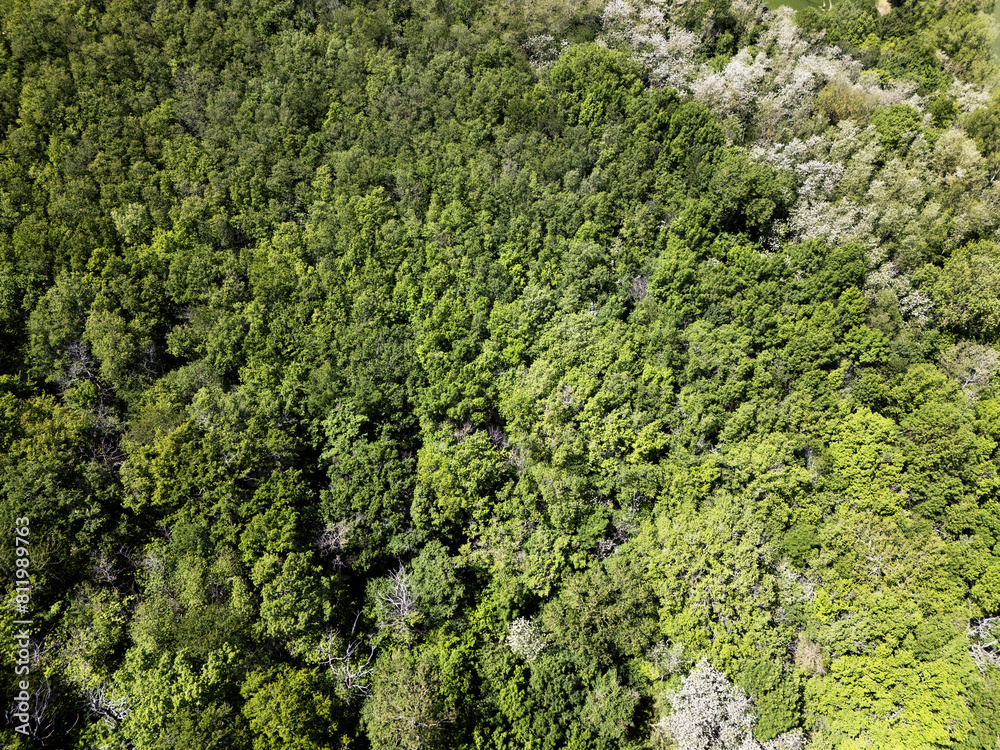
(112, 710)
(983, 643)
(344, 658)
(397, 600)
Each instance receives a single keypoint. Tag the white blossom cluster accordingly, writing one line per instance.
(837, 223)
(794, 740)
(543, 50)
(524, 639)
(845, 197)
(971, 365)
(850, 190)
(819, 179)
(667, 659)
(666, 49)
(708, 712)
(733, 92)
(794, 586)
(968, 96)
(777, 83)
(914, 304)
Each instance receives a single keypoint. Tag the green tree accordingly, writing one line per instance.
(405, 709)
(288, 709)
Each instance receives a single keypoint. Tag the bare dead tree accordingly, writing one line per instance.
(100, 703)
(150, 365)
(217, 592)
(983, 643)
(398, 601)
(41, 725)
(639, 288)
(104, 445)
(332, 542)
(344, 658)
(81, 365)
(103, 568)
(114, 567)
(497, 436)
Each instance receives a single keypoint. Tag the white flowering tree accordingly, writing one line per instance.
(708, 712)
(525, 640)
(666, 49)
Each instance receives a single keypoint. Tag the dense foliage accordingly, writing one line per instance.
(496, 375)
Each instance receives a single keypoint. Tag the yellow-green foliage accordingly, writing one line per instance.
(431, 375)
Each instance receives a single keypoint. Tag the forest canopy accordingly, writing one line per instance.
(499, 375)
